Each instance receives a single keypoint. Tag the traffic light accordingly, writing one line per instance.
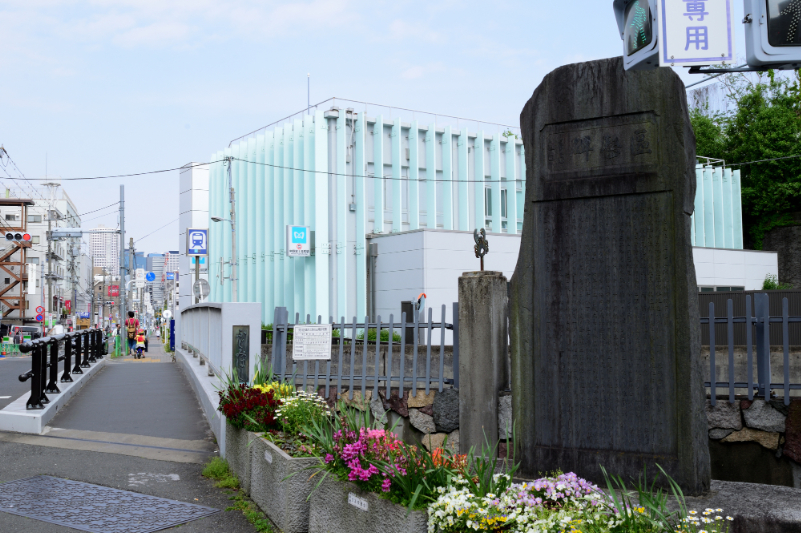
(773, 33)
(637, 22)
(18, 237)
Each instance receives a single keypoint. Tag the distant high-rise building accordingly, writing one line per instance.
(171, 261)
(105, 248)
(155, 264)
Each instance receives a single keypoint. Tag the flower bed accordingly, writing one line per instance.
(338, 506)
(284, 499)
(238, 454)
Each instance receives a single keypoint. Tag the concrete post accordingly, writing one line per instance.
(482, 365)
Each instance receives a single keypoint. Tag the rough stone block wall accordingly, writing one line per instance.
(755, 441)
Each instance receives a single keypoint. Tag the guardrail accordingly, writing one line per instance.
(87, 346)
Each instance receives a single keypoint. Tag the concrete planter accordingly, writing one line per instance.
(238, 453)
(337, 506)
(285, 501)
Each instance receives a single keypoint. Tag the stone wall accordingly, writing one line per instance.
(741, 365)
(755, 441)
(787, 242)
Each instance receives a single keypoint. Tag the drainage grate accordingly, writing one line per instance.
(94, 508)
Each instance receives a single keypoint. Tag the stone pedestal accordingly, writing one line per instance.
(604, 311)
(482, 356)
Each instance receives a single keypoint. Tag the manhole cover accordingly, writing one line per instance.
(94, 508)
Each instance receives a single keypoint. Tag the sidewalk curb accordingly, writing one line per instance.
(16, 417)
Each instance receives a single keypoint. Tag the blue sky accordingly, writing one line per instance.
(110, 87)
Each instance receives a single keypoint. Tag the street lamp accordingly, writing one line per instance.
(233, 254)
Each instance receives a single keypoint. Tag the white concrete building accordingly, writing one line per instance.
(105, 248)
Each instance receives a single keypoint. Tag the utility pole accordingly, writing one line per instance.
(50, 212)
(123, 307)
(131, 268)
(233, 234)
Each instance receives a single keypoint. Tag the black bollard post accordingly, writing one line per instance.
(66, 378)
(35, 400)
(101, 345)
(43, 374)
(77, 368)
(93, 346)
(85, 363)
(52, 387)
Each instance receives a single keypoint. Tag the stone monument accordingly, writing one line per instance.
(604, 312)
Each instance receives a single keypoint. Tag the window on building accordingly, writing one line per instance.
(34, 218)
(34, 239)
(32, 260)
(11, 217)
(8, 280)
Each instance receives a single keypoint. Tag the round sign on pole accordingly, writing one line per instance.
(39, 318)
(39, 310)
(201, 288)
(150, 276)
(167, 314)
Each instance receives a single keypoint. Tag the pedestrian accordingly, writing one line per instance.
(132, 327)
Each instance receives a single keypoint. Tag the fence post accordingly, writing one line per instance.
(762, 309)
(35, 399)
(51, 385)
(66, 378)
(482, 366)
(455, 362)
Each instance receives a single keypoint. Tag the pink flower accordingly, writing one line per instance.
(328, 458)
(386, 485)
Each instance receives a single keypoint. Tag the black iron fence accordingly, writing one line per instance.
(358, 362)
(760, 329)
(85, 346)
(738, 301)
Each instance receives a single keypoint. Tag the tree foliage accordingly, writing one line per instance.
(763, 121)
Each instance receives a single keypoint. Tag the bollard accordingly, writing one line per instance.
(77, 368)
(66, 378)
(35, 400)
(52, 388)
(85, 363)
(92, 347)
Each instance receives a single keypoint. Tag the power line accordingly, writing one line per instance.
(193, 165)
(102, 208)
(765, 160)
(157, 229)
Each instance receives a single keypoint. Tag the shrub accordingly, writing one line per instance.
(247, 407)
(772, 283)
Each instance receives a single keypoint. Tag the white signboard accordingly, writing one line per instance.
(695, 32)
(140, 278)
(312, 342)
(358, 503)
(298, 241)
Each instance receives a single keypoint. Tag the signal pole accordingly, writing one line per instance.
(123, 308)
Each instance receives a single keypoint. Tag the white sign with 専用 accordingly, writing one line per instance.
(695, 32)
(311, 342)
(298, 243)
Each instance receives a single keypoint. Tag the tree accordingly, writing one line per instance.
(764, 122)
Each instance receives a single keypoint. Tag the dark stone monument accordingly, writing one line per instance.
(786, 240)
(604, 311)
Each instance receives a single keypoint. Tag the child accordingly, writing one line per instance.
(140, 343)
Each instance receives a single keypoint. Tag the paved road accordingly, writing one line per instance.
(136, 426)
(10, 386)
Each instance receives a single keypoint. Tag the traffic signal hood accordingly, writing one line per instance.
(637, 22)
(772, 33)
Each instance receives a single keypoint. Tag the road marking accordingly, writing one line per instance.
(4, 397)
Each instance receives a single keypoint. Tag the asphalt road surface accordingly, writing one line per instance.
(10, 386)
(136, 426)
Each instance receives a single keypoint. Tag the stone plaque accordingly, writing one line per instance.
(604, 312)
(241, 353)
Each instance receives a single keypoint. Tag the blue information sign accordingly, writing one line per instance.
(150, 276)
(197, 242)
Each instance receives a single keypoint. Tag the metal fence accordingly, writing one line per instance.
(758, 330)
(90, 343)
(738, 299)
(201, 332)
(344, 369)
